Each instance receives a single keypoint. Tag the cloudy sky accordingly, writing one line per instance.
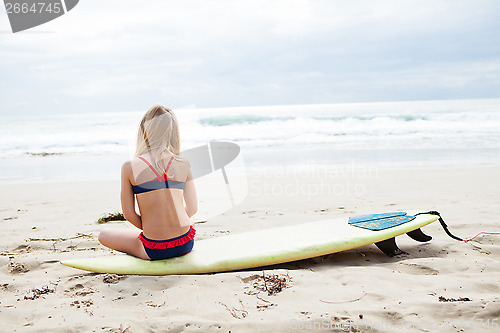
(124, 55)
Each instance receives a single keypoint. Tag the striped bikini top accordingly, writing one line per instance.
(159, 183)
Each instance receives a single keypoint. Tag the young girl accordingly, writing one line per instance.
(166, 196)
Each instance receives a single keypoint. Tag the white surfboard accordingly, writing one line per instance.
(258, 248)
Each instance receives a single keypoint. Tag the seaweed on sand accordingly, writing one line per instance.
(117, 216)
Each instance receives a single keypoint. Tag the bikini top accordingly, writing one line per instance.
(160, 182)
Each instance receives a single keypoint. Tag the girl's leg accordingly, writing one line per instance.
(123, 240)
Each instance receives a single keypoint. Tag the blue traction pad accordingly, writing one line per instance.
(380, 221)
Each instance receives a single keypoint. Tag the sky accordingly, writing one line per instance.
(125, 55)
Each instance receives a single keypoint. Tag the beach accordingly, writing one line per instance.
(294, 117)
(443, 285)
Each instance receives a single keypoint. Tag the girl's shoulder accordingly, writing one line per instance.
(134, 164)
(127, 166)
(179, 169)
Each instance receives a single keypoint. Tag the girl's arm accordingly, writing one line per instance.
(190, 197)
(127, 197)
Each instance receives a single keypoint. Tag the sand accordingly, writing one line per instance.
(357, 290)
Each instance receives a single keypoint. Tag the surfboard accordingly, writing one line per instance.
(268, 246)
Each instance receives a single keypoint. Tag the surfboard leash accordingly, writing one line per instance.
(445, 227)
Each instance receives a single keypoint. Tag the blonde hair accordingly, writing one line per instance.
(158, 133)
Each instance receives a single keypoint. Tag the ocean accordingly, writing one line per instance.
(272, 138)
